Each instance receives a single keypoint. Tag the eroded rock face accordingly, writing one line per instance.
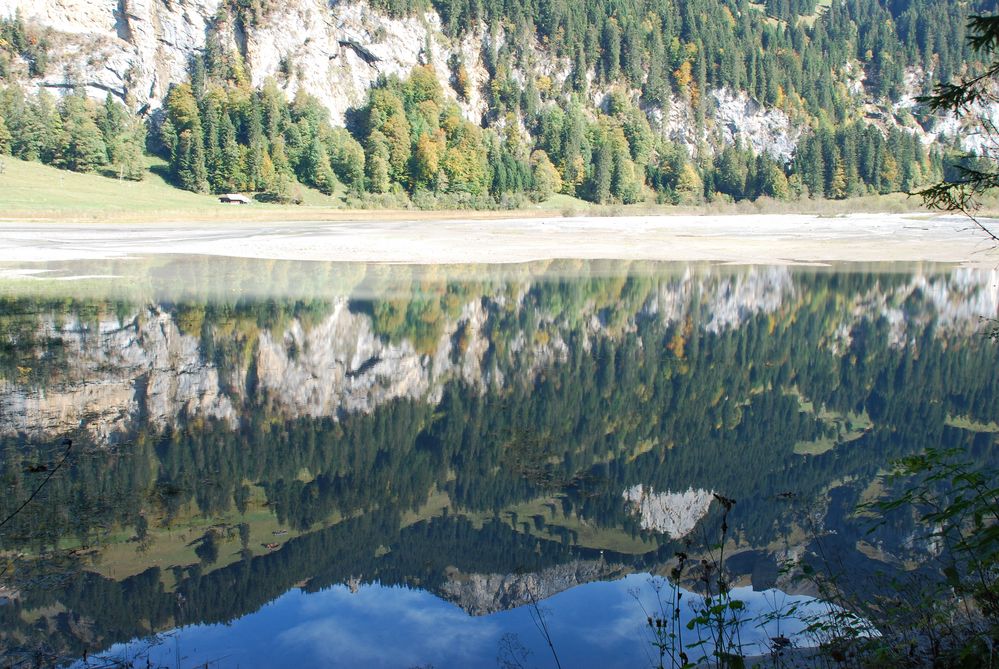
(745, 121)
(136, 49)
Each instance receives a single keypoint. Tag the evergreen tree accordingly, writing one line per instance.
(5, 138)
(211, 114)
(256, 147)
(317, 170)
(838, 184)
(603, 172)
(124, 136)
(656, 89)
(229, 175)
(83, 148)
(191, 171)
(610, 45)
(579, 73)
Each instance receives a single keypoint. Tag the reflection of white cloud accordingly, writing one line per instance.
(386, 627)
(598, 624)
(626, 622)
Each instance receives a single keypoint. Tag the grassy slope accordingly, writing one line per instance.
(32, 191)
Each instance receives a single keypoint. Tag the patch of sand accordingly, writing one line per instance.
(752, 239)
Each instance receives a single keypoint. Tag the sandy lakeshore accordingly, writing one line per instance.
(737, 239)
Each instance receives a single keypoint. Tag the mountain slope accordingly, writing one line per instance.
(703, 75)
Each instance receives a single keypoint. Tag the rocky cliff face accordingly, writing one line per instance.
(334, 50)
(127, 47)
(136, 48)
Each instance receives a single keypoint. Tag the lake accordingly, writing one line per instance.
(249, 463)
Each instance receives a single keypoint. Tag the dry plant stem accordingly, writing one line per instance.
(538, 618)
(69, 446)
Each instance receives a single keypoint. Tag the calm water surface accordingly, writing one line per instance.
(257, 463)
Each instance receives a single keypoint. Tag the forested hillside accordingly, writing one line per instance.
(677, 101)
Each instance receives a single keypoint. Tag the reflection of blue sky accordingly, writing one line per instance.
(593, 625)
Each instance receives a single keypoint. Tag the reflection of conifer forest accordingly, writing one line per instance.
(809, 385)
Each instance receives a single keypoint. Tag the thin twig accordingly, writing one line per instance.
(69, 446)
(539, 621)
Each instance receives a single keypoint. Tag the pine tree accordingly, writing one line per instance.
(229, 176)
(189, 164)
(603, 172)
(837, 185)
(168, 140)
(256, 147)
(83, 146)
(656, 89)
(211, 122)
(5, 138)
(199, 173)
(45, 130)
(579, 73)
(124, 137)
(317, 169)
(610, 43)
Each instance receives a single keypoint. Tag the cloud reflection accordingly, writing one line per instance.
(388, 627)
(593, 625)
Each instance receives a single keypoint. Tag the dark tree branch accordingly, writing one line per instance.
(69, 446)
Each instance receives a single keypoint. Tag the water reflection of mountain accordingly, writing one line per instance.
(470, 438)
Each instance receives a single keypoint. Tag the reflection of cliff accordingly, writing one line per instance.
(672, 513)
(957, 302)
(728, 302)
(117, 373)
(114, 372)
(155, 365)
(342, 365)
(482, 594)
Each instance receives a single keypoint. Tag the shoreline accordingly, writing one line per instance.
(734, 238)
